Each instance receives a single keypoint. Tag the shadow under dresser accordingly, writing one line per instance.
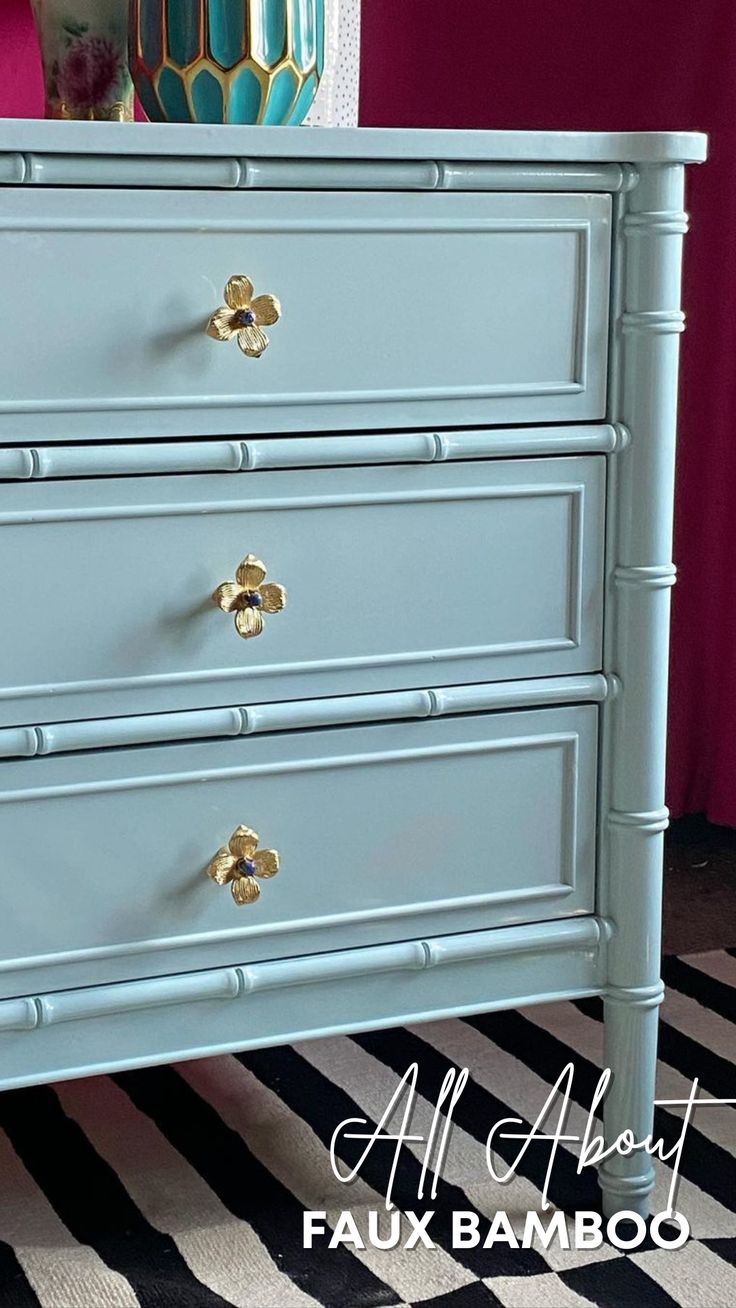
(335, 518)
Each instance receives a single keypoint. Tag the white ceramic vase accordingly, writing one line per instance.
(336, 102)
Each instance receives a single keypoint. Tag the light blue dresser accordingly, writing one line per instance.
(435, 689)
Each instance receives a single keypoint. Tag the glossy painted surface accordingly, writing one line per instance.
(357, 143)
(490, 815)
(294, 714)
(650, 225)
(396, 577)
(106, 1028)
(402, 841)
(514, 330)
(44, 168)
(39, 463)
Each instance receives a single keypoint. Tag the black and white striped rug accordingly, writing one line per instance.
(185, 1186)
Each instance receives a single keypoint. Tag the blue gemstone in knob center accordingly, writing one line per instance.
(246, 317)
(254, 600)
(246, 867)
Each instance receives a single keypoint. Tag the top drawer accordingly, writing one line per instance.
(400, 310)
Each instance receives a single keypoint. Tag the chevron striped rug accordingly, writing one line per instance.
(185, 1186)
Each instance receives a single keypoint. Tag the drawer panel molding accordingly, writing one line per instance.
(527, 345)
(475, 820)
(519, 546)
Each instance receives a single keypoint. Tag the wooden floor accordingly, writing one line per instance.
(699, 887)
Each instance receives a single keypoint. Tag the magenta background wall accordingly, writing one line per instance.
(21, 85)
(628, 65)
(577, 64)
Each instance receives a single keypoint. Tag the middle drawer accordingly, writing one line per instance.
(396, 577)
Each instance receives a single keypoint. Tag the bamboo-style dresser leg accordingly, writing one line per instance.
(647, 322)
(630, 1050)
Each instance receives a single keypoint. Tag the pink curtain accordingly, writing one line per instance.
(632, 65)
(578, 64)
(21, 84)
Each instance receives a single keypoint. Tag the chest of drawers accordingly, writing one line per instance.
(380, 606)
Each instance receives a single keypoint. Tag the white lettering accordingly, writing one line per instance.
(626, 1215)
(536, 1133)
(555, 1228)
(374, 1232)
(408, 1084)
(501, 1232)
(465, 1230)
(588, 1230)
(683, 1234)
(346, 1232)
(311, 1227)
(418, 1232)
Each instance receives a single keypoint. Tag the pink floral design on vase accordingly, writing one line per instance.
(84, 50)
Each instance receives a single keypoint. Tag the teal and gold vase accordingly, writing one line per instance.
(226, 61)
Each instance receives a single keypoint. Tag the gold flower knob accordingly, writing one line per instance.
(248, 599)
(239, 862)
(245, 317)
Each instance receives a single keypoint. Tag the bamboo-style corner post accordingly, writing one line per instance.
(647, 321)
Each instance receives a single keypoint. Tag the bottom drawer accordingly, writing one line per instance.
(383, 832)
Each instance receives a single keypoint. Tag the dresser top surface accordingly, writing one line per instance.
(174, 139)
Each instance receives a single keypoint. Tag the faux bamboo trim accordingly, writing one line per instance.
(243, 173)
(39, 463)
(581, 935)
(111, 733)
